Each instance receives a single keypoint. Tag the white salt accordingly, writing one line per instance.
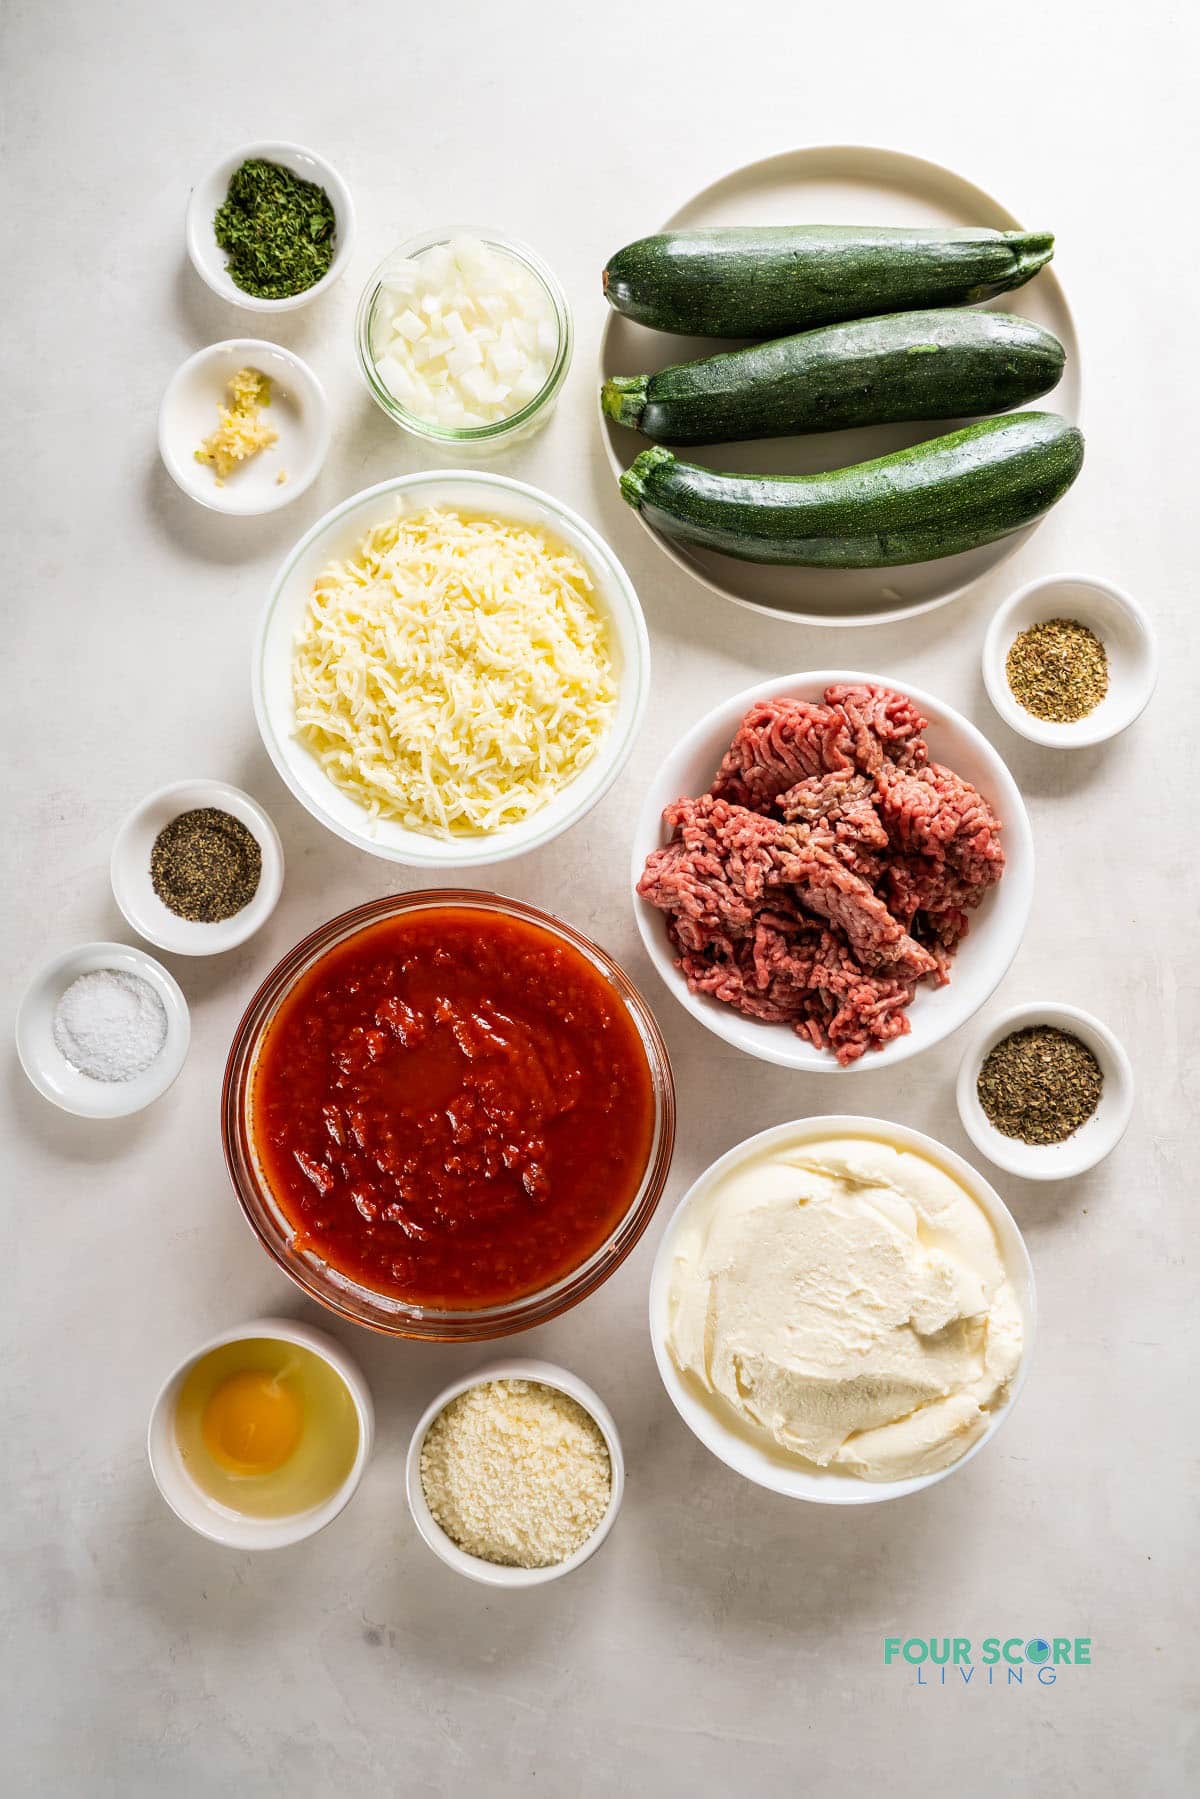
(110, 1025)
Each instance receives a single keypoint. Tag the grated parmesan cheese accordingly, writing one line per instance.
(453, 674)
(517, 1473)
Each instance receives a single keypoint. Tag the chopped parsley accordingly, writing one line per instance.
(276, 229)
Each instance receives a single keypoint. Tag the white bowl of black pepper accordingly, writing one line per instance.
(1045, 1091)
(197, 867)
(1070, 660)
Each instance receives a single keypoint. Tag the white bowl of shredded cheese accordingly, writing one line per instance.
(451, 669)
(521, 1471)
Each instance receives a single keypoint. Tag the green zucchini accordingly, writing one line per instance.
(952, 493)
(767, 281)
(908, 365)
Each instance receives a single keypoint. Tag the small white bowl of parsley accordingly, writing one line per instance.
(270, 226)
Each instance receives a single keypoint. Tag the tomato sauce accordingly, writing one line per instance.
(453, 1107)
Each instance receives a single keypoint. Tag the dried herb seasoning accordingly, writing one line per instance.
(1039, 1084)
(205, 865)
(276, 229)
(1058, 670)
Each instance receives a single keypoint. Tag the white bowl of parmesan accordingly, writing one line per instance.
(515, 1473)
(451, 669)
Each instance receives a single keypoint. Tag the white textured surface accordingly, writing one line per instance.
(724, 1640)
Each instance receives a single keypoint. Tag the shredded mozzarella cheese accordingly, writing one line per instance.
(453, 674)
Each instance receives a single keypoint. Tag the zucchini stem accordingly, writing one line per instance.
(633, 481)
(1036, 251)
(624, 399)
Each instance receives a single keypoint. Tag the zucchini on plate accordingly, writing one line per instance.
(763, 281)
(936, 499)
(949, 364)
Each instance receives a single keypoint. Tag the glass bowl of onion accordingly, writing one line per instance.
(464, 337)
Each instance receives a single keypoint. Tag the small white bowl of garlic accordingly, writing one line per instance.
(244, 427)
(464, 338)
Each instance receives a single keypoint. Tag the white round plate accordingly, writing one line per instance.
(48, 1069)
(834, 185)
(338, 535)
(996, 928)
(133, 888)
(719, 1430)
(298, 411)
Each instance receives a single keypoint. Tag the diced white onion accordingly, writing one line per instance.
(465, 334)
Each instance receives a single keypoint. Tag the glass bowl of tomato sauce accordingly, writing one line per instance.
(448, 1115)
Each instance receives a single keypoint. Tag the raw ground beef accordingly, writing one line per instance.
(829, 869)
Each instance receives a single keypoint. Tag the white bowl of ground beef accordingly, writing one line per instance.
(995, 914)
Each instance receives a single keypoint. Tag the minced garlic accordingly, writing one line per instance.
(241, 433)
(517, 1473)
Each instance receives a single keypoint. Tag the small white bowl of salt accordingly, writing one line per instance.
(103, 1030)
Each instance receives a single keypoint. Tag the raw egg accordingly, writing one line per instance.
(266, 1427)
(252, 1423)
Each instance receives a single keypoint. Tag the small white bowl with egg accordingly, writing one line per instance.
(50, 1071)
(210, 192)
(298, 411)
(216, 1517)
(133, 886)
(753, 1451)
(474, 1567)
(338, 537)
(1113, 616)
(1096, 1137)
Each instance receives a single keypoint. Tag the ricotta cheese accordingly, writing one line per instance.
(847, 1301)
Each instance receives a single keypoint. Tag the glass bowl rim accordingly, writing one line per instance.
(497, 428)
(476, 1324)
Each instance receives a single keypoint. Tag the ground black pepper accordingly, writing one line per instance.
(205, 865)
(1039, 1084)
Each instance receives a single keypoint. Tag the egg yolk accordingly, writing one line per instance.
(252, 1423)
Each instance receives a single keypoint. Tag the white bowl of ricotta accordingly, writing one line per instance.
(842, 1310)
(337, 539)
